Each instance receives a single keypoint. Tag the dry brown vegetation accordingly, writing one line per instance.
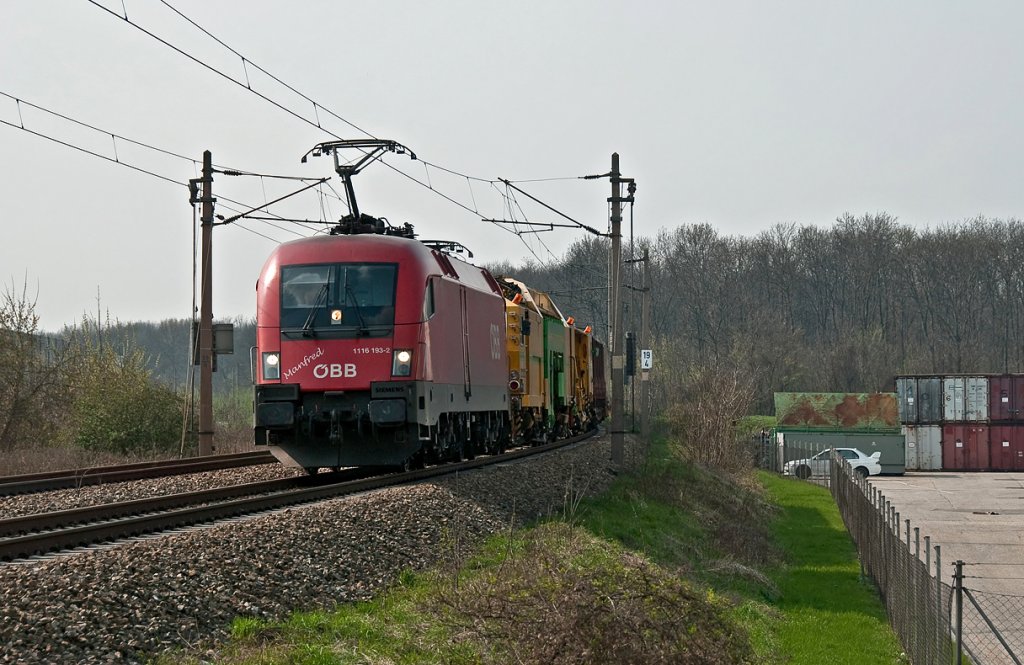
(563, 596)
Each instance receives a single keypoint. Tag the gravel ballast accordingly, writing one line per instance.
(142, 598)
(94, 495)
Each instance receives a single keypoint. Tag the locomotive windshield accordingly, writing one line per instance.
(339, 299)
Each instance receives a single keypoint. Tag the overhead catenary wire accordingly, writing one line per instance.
(19, 101)
(93, 153)
(275, 103)
(127, 165)
(148, 146)
(115, 138)
(316, 106)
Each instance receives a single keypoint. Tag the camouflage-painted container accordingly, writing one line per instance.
(853, 412)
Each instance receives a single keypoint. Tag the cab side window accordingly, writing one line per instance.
(428, 300)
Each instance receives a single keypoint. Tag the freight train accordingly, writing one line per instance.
(378, 349)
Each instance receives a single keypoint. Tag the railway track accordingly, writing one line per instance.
(43, 482)
(32, 535)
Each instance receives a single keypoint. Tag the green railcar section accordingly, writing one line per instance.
(555, 345)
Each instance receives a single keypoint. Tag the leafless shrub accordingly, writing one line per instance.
(710, 399)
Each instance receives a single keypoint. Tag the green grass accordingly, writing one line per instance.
(829, 615)
(791, 569)
(752, 570)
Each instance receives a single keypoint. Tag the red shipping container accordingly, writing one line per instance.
(1006, 447)
(965, 447)
(1006, 398)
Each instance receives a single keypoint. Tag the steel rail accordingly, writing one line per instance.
(38, 522)
(71, 478)
(31, 544)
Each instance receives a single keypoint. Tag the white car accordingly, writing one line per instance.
(865, 465)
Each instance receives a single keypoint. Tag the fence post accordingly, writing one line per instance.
(914, 587)
(894, 539)
(958, 576)
(927, 627)
(940, 633)
(906, 586)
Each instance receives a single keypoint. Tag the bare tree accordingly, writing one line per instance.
(33, 381)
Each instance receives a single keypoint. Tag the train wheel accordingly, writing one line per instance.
(449, 440)
(413, 462)
(494, 434)
(504, 433)
(468, 441)
(312, 470)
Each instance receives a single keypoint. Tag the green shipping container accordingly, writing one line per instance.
(847, 412)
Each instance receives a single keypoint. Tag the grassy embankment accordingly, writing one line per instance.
(674, 565)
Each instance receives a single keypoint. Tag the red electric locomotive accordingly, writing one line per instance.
(377, 349)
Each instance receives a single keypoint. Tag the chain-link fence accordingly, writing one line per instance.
(893, 555)
(936, 622)
(992, 623)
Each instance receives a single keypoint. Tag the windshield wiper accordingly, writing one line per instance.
(307, 327)
(362, 322)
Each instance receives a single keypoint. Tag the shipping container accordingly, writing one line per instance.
(906, 398)
(924, 447)
(977, 398)
(1006, 447)
(929, 395)
(965, 447)
(965, 399)
(872, 412)
(919, 399)
(953, 399)
(892, 445)
(1006, 398)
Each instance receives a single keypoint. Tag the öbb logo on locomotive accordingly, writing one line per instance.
(334, 370)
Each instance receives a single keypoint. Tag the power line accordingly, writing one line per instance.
(583, 226)
(261, 69)
(117, 160)
(95, 154)
(114, 136)
(280, 106)
(315, 105)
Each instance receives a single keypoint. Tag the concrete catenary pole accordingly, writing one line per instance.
(617, 445)
(206, 432)
(645, 328)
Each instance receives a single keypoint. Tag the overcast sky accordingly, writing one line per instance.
(739, 114)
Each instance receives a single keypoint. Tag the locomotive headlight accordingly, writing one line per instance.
(401, 363)
(271, 366)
